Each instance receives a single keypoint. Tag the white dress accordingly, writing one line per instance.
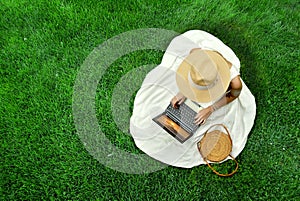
(159, 87)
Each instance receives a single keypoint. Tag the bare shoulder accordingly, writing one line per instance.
(236, 83)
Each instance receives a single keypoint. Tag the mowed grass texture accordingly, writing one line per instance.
(43, 45)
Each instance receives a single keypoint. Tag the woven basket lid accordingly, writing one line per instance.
(215, 146)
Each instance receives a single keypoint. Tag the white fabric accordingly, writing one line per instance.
(159, 87)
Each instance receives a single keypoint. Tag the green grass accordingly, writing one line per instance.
(44, 43)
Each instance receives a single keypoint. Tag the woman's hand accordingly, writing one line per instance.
(177, 100)
(202, 115)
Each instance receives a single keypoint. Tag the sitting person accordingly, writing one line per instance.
(203, 76)
(200, 67)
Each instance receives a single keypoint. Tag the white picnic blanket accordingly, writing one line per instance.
(159, 87)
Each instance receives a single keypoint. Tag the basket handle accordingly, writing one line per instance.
(224, 175)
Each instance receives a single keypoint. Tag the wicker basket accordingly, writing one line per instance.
(216, 146)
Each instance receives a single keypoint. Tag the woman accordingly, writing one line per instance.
(200, 67)
(207, 70)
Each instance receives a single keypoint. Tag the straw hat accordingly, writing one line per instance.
(203, 76)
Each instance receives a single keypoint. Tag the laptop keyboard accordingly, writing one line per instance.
(183, 115)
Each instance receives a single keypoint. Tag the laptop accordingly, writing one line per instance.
(178, 122)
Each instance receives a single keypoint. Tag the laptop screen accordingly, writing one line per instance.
(172, 127)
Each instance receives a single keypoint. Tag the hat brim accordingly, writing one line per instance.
(204, 95)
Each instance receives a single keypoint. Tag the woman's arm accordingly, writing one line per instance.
(236, 87)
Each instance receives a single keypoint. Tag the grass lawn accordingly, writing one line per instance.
(43, 44)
